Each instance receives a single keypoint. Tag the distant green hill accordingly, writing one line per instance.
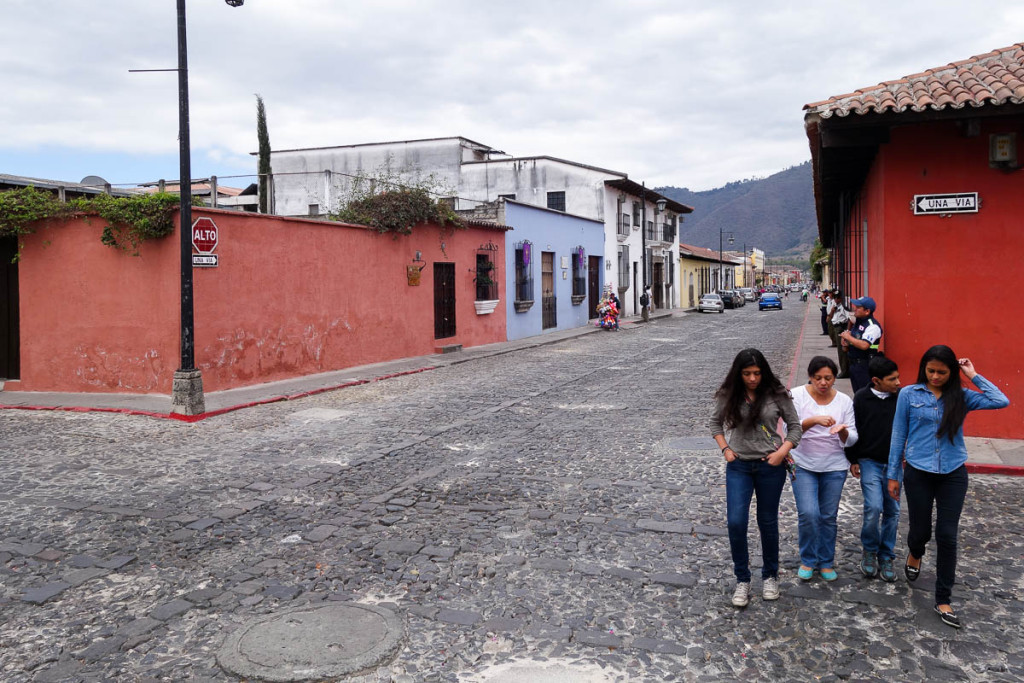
(775, 214)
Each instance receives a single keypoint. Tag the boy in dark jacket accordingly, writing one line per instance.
(874, 408)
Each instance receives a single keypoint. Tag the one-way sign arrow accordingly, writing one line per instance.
(962, 202)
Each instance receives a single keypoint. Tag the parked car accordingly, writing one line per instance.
(748, 293)
(710, 302)
(769, 300)
(730, 298)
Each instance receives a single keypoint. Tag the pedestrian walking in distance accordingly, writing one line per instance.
(874, 408)
(747, 409)
(826, 417)
(928, 457)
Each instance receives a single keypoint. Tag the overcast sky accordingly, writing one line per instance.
(673, 92)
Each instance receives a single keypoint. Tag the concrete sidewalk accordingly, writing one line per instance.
(219, 402)
(985, 456)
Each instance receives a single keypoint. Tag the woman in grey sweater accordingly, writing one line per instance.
(748, 407)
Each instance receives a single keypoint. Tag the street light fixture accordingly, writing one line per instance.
(721, 268)
(187, 392)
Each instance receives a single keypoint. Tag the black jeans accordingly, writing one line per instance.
(947, 492)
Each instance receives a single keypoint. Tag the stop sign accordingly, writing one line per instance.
(204, 235)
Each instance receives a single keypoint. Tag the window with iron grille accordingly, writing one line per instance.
(651, 235)
(556, 201)
(524, 271)
(624, 267)
(486, 278)
(624, 224)
(670, 229)
(636, 214)
(579, 271)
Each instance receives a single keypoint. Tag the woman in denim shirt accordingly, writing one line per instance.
(928, 437)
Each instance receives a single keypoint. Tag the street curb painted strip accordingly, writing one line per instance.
(220, 411)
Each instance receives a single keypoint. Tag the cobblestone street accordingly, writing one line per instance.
(562, 507)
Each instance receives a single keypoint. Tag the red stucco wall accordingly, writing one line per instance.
(950, 280)
(290, 297)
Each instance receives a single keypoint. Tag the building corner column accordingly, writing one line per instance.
(187, 393)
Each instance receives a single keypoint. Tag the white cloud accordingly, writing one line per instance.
(672, 92)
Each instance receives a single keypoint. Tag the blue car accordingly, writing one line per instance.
(769, 300)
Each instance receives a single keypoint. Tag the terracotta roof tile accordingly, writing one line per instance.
(992, 79)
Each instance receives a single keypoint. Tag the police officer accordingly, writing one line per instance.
(862, 341)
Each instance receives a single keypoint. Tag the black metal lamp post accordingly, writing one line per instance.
(644, 308)
(721, 268)
(187, 393)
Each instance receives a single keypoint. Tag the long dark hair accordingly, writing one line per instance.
(735, 391)
(954, 409)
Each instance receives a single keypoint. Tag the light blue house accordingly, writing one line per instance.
(554, 269)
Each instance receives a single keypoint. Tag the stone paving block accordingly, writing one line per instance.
(539, 514)
(675, 579)
(320, 533)
(705, 530)
(458, 616)
(397, 547)
(551, 564)
(49, 555)
(181, 535)
(201, 595)
(282, 592)
(302, 483)
(26, 549)
(138, 626)
(116, 562)
(228, 513)
(597, 638)
(157, 513)
(260, 486)
(512, 560)
(203, 524)
(425, 611)
(101, 648)
(80, 576)
(5, 557)
(183, 518)
(588, 568)
(627, 574)
(81, 561)
(72, 504)
(248, 587)
(402, 502)
(41, 594)
(503, 625)
(171, 609)
(665, 647)
(666, 527)
(438, 552)
(873, 598)
(802, 590)
(485, 507)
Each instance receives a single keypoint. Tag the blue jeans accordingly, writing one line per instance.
(817, 505)
(878, 535)
(744, 479)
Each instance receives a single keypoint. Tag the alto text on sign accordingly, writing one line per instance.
(962, 202)
(204, 235)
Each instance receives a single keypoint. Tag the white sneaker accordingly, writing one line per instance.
(770, 590)
(741, 596)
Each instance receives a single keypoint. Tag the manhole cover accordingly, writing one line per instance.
(313, 643)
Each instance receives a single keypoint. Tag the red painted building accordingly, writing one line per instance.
(920, 198)
(289, 297)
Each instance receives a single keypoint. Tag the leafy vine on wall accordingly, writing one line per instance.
(129, 220)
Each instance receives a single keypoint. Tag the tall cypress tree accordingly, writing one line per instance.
(264, 158)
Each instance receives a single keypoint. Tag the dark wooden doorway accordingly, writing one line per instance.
(10, 335)
(444, 300)
(593, 285)
(658, 288)
(549, 316)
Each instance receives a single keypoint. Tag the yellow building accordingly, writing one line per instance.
(698, 273)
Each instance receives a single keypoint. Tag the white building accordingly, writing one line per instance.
(317, 181)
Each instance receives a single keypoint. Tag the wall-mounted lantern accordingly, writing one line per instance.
(412, 273)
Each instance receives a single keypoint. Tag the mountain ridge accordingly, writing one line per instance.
(775, 213)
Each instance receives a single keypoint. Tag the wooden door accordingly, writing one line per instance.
(444, 300)
(593, 285)
(548, 303)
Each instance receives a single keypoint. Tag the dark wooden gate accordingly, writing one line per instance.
(658, 289)
(10, 346)
(444, 300)
(593, 285)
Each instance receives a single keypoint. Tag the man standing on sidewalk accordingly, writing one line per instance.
(862, 341)
(840, 321)
(874, 408)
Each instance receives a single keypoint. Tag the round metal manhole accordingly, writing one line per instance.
(313, 643)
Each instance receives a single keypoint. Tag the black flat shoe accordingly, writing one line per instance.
(948, 618)
(911, 572)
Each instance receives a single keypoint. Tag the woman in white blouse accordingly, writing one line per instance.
(826, 417)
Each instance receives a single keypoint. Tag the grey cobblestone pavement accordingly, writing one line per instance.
(557, 507)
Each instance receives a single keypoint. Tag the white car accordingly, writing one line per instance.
(748, 293)
(711, 302)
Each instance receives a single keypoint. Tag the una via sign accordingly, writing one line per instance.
(962, 202)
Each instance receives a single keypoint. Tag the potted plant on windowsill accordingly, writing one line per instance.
(489, 286)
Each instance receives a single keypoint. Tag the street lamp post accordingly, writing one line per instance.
(721, 267)
(645, 309)
(187, 390)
